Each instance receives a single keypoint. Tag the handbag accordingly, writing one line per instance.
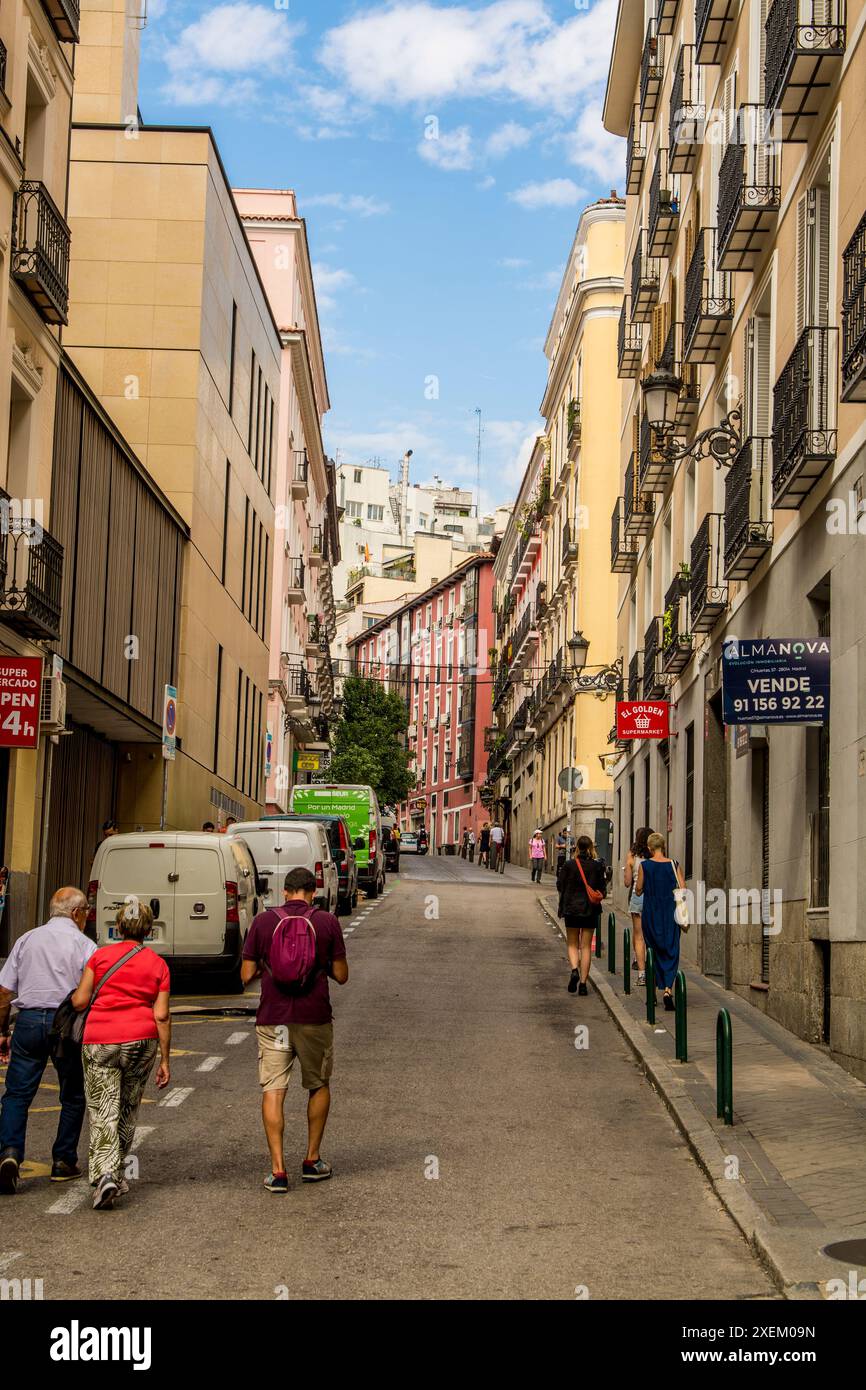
(681, 905)
(68, 1025)
(594, 896)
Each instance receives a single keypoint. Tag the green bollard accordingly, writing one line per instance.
(681, 1006)
(724, 1068)
(598, 939)
(650, 986)
(626, 961)
(611, 945)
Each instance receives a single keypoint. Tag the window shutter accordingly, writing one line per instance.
(761, 395)
(748, 379)
(729, 103)
(821, 254)
(635, 440)
(657, 333)
(801, 271)
(690, 243)
(672, 299)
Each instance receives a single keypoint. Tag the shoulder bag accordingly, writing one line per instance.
(68, 1025)
(594, 896)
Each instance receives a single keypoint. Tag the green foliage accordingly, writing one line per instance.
(366, 747)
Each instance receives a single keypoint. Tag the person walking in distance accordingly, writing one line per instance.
(657, 878)
(484, 845)
(581, 887)
(497, 843)
(637, 852)
(537, 856)
(471, 846)
(125, 990)
(43, 968)
(296, 949)
(561, 849)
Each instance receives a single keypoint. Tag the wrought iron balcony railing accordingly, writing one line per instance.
(65, 16)
(804, 46)
(652, 69)
(526, 628)
(573, 428)
(656, 467)
(644, 281)
(569, 545)
(295, 573)
(749, 189)
(4, 58)
(639, 506)
(629, 342)
(714, 24)
(623, 548)
(677, 642)
(40, 250)
(635, 677)
(687, 112)
(709, 306)
(708, 592)
(316, 542)
(748, 512)
(31, 575)
(653, 685)
(854, 316)
(804, 417)
(664, 208)
(635, 153)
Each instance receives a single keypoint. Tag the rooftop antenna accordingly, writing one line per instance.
(404, 495)
(478, 466)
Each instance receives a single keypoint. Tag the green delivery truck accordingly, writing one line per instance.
(360, 808)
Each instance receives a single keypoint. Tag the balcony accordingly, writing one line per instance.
(708, 592)
(652, 69)
(316, 554)
(671, 360)
(501, 682)
(65, 18)
(299, 689)
(639, 506)
(315, 635)
(31, 575)
(805, 44)
(653, 684)
(4, 61)
(466, 756)
(666, 15)
(687, 112)
(804, 417)
(40, 250)
(623, 548)
(749, 190)
(524, 640)
(630, 343)
(634, 689)
(677, 641)
(709, 308)
(573, 429)
(295, 592)
(714, 24)
(656, 468)
(635, 153)
(524, 556)
(664, 208)
(748, 515)
(644, 281)
(854, 316)
(300, 475)
(569, 547)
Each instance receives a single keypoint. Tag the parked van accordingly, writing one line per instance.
(340, 840)
(278, 846)
(359, 807)
(203, 890)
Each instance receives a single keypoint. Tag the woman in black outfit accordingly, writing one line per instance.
(582, 915)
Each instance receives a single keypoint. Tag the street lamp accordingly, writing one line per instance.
(601, 681)
(661, 393)
(579, 648)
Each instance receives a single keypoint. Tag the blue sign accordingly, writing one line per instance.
(776, 680)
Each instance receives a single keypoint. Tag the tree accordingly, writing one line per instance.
(366, 744)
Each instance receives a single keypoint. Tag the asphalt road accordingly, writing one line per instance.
(477, 1152)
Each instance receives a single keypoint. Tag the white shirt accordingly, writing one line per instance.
(497, 834)
(46, 964)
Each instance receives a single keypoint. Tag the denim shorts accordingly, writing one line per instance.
(635, 903)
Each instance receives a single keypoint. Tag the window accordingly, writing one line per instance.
(647, 818)
(232, 356)
(689, 510)
(216, 718)
(359, 476)
(813, 258)
(667, 551)
(756, 385)
(631, 808)
(353, 509)
(374, 512)
(688, 865)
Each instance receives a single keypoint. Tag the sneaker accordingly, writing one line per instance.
(315, 1172)
(277, 1182)
(64, 1172)
(9, 1173)
(122, 1187)
(106, 1191)
(641, 977)
(582, 989)
(572, 983)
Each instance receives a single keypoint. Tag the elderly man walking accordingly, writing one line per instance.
(44, 966)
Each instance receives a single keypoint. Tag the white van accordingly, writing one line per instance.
(203, 890)
(278, 846)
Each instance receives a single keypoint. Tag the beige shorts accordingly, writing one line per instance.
(279, 1045)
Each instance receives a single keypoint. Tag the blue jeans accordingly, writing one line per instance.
(30, 1056)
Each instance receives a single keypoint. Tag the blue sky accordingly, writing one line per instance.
(441, 154)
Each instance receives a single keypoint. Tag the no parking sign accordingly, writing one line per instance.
(169, 723)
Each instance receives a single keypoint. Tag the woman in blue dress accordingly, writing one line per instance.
(657, 877)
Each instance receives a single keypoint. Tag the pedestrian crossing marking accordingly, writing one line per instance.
(8, 1257)
(71, 1200)
(210, 1064)
(176, 1096)
(235, 1038)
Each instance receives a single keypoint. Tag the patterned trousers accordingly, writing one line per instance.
(115, 1075)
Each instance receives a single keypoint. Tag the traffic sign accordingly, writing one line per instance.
(20, 696)
(570, 779)
(169, 723)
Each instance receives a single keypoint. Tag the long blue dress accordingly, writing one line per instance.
(660, 927)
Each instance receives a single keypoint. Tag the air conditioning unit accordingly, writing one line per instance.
(52, 707)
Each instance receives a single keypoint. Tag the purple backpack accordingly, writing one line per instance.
(292, 957)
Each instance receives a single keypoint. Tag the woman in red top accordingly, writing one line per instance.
(128, 1020)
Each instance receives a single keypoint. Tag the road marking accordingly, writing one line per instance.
(348, 931)
(8, 1257)
(176, 1096)
(71, 1199)
(210, 1064)
(234, 1038)
(141, 1133)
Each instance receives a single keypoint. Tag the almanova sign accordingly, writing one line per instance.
(776, 680)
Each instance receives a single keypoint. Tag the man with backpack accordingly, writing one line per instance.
(295, 948)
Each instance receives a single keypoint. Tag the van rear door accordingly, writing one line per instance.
(147, 870)
(199, 901)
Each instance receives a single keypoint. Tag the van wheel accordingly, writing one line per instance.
(354, 900)
(373, 890)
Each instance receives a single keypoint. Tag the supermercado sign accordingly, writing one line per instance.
(20, 696)
(776, 680)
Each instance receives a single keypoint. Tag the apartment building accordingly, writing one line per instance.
(746, 269)
(170, 323)
(433, 651)
(307, 542)
(555, 596)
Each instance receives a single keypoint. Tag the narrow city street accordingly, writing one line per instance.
(477, 1152)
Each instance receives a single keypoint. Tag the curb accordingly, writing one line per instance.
(766, 1240)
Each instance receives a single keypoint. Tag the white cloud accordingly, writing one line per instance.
(487, 182)
(513, 263)
(591, 147)
(554, 193)
(220, 58)
(508, 137)
(450, 150)
(358, 203)
(412, 51)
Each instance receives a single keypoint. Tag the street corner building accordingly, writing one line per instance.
(555, 598)
(742, 357)
(434, 651)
